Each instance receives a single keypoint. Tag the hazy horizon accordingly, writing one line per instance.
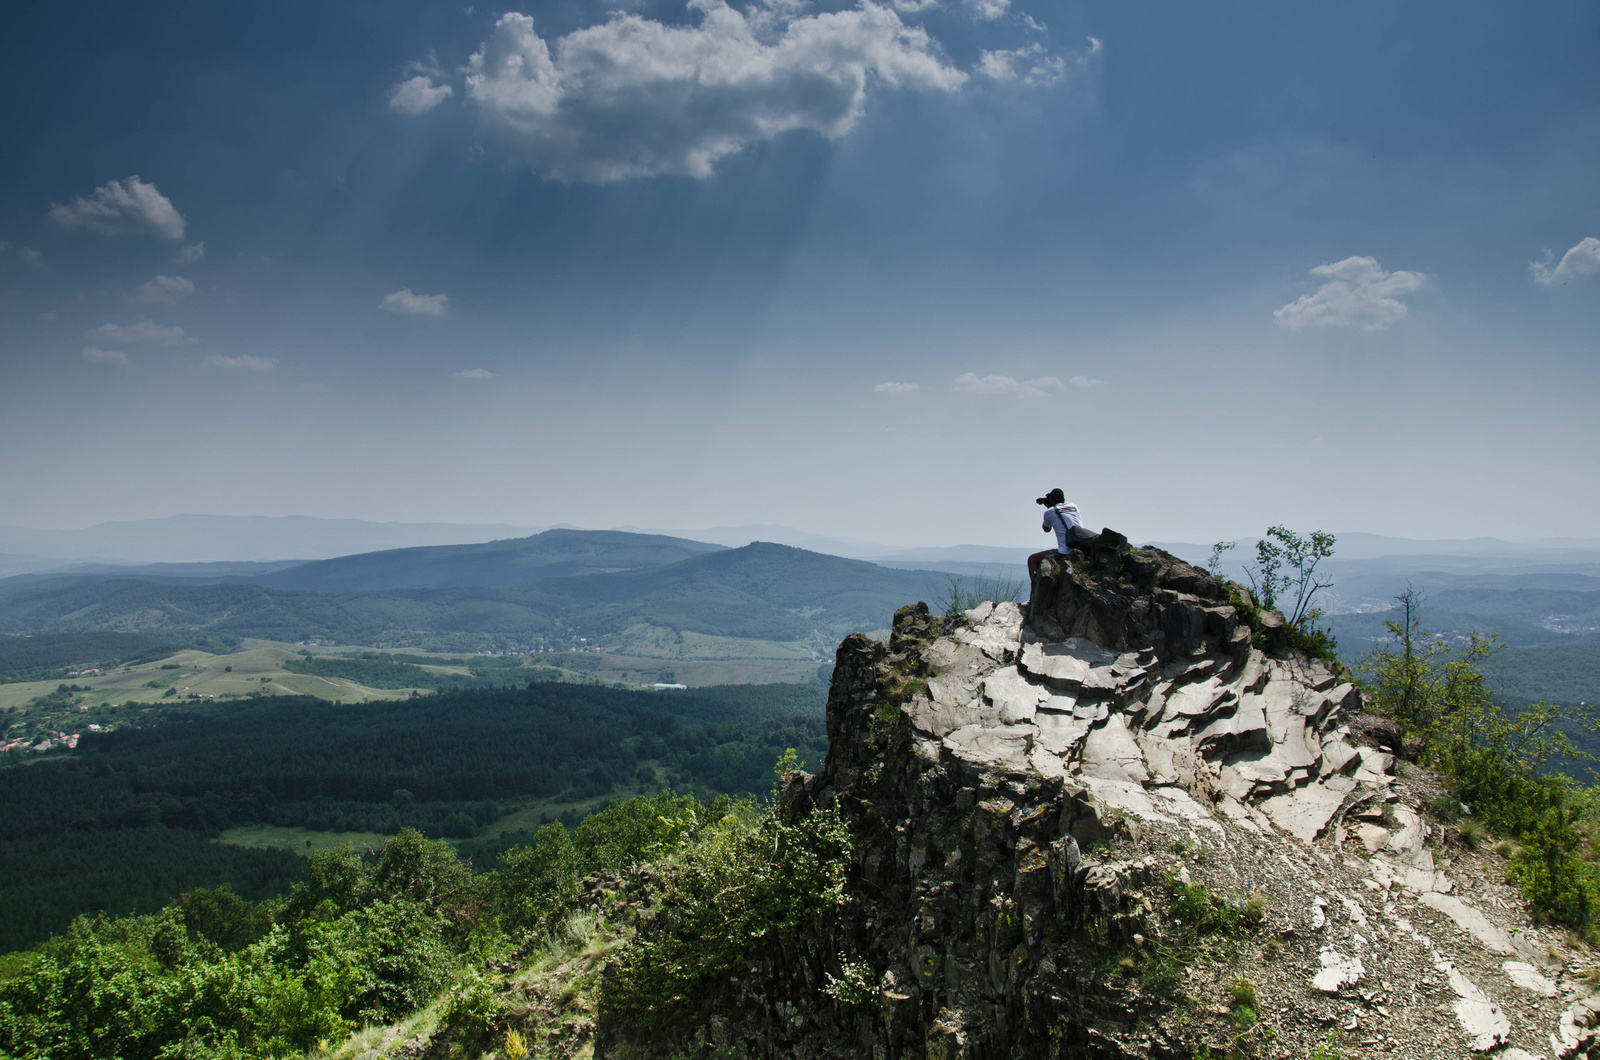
(222, 539)
(883, 271)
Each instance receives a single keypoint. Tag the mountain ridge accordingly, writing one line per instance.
(762, 591)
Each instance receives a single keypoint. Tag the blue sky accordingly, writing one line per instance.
(877, 271)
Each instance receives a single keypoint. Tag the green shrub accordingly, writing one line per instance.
(533, 883)
(853, 985)
(642, 829)
(744, 883)
(1243, 992)
(473, 1009)
(1162, 975)
(1202, 913)
(1555, 880)
(1502, 762)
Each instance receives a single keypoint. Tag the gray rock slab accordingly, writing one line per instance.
(1409, 836)
(1006, 748)
(1059, 665)
(1245, 729)
(1374, 837)
(1127, 796)
(1077, 663)
(1174, 762)
(1486, 1026)
(1337, 755)
(1337, 972)
(1197, 700)
(1252, 770)
(1175, 801)
(1305, 813)
(1014, 697)
(950, 658)
(1418, 878)
(1528, 978)
(1061, 734)
(1473, 922)
(1374, 766)
(1110, 753)
(998, 634)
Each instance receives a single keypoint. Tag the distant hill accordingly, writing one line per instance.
(552, 554)
(217, 538)
(1358, 633)
(761, 591)
(1541, 661)
(1569, 673)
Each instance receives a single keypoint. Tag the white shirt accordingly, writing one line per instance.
(1064, 515)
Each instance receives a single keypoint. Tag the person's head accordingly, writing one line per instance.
(1055, 496)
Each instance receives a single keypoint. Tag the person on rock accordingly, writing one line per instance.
(1062, 517)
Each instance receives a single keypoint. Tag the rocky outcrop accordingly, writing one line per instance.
(1038, 790)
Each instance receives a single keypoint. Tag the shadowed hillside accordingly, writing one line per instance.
(552, 554)
(760, 591)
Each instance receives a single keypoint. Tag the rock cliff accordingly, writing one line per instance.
(1130, 820)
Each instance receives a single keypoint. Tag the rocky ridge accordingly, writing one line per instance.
(1042, 796)
(1127, 820)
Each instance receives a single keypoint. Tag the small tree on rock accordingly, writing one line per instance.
(1284, 576)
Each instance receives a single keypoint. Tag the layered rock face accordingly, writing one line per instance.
(1033, 787)
(1141, 686)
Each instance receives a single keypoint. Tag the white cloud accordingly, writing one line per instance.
(1581, 260)
(415, 305)
(987, 10)
(1084, 382)
(244, 361)
(1029, 65)
(418, 95)
(99, 356)
(972, 383)
(163, 290)
(189, 254)
(473, 373)
(122, 207)
(895, 388)
(633, 97)
(1357, 293)
(143, 329)
(30, 257)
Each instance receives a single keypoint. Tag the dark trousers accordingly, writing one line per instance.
(1037, 558)
(1077, 537)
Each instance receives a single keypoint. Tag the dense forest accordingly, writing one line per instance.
(46, 657)
(1537, 663)
(446, 764)
(1569, 673)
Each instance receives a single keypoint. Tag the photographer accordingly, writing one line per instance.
(1062, 517)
